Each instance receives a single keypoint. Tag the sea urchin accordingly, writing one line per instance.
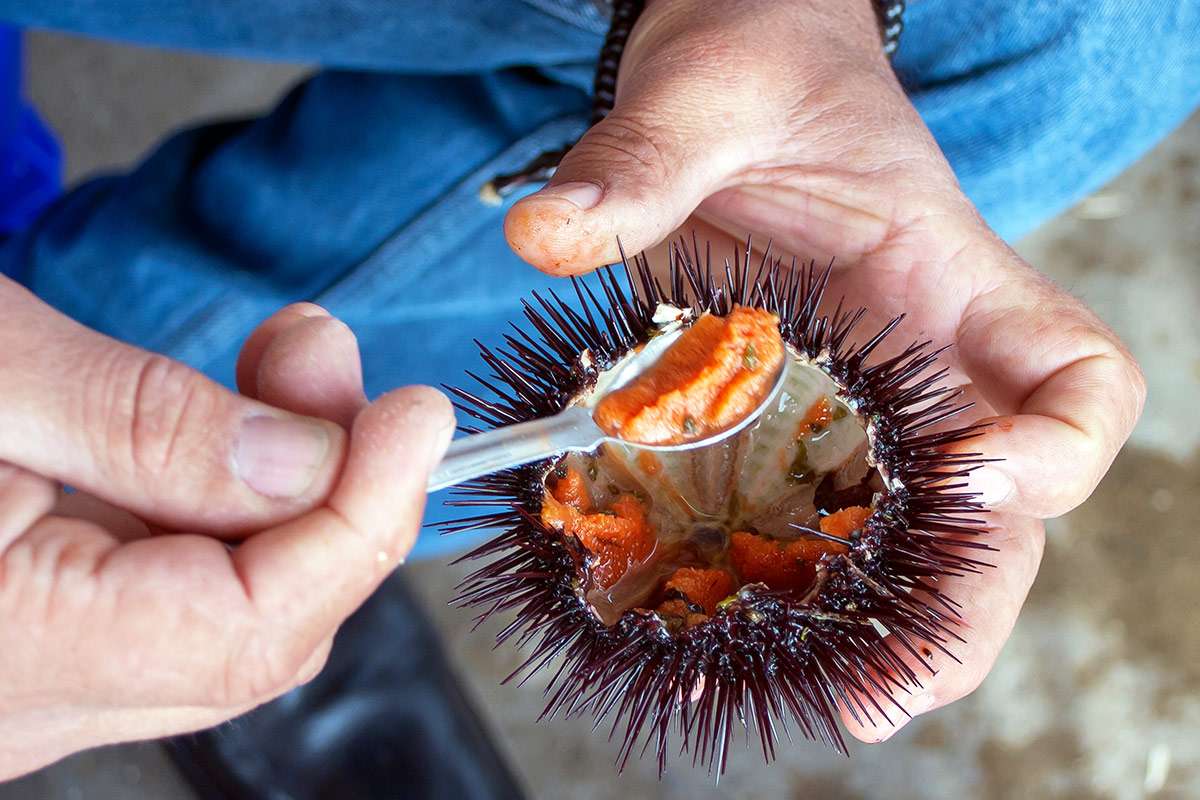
(770, 581)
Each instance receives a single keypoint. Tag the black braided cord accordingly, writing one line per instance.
(889, 13)
(604, 89)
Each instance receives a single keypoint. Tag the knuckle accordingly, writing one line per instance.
(141, 405)
(627, 141)
(258, 667)
(1121, 380)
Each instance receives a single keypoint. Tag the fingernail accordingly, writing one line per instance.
(280, 457)
(582, 194)
(993, 486)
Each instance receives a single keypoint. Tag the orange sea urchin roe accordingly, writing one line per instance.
(618, 538)
(843, 523)
(780, 565)
(571, 489)
(703, 587)
(710, 379)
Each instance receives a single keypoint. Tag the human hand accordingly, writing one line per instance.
(123, 614)
(782, 119)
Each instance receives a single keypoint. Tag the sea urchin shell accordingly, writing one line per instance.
(766, 657)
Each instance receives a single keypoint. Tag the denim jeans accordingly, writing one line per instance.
(359, 191)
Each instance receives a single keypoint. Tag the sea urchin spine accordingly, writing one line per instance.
(765, 657)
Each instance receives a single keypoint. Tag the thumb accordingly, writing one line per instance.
(679, 130)
(629, 176)
(710, 95)
(148, 434)
(368, 525)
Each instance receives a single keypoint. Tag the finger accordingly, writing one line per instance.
(34, 739)
(312, 367)
(313, 665)
(200, 625)
(1068, 390)
(88, 611)
(989, 602)
(24, 499)
(124, 526)
(368, 526)
(146, 433)
(258, 342)
(38, 738)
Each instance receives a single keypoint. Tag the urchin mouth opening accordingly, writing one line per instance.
(687, 536)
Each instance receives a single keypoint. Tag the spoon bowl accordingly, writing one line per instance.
(573, 429)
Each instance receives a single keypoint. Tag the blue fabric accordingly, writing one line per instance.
(1038, 103)
(411, 36)
(30, 159)
(359, 191)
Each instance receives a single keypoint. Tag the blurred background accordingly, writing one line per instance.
(1097, 694)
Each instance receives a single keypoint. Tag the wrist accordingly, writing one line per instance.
(877, 23)
(822, 28)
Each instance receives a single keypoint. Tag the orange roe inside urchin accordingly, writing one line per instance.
(716, 373)
(619, 538)
(792, 565)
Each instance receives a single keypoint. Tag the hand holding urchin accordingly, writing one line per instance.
(781, 574)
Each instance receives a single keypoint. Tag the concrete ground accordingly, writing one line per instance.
(1097, 694)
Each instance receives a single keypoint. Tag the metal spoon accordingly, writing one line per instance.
(571, 429)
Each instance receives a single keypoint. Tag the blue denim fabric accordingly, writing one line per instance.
(359, 191)
(410, 36)
(1037, 103)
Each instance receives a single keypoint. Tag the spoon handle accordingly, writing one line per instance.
(513, 445)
